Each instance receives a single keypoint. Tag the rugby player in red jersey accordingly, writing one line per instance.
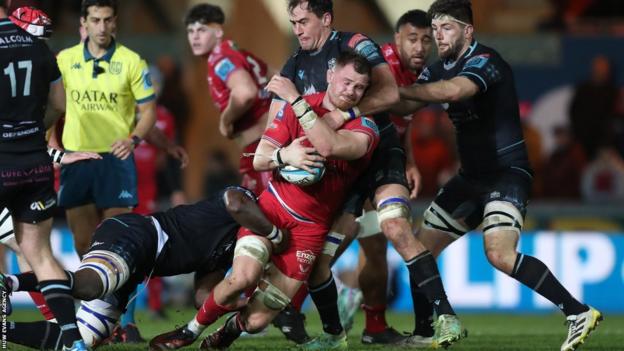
(236, 79)
(306, 211)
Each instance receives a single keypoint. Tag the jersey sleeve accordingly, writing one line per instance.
(484, 70)
(366, 47)
(288, 70)
(54, 73)
(141, 83)
(429, 74)
(367, 126)
(282, 128)
(226, 66)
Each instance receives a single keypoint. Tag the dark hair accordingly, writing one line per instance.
(459, 9)
(204, 14)
(360, 63)
(417, 18)
(84, 9)
(318, 7)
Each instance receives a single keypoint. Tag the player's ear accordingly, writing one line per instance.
(219, 33)
(468, 31)
(330, 75)
(397, 39)
(326, 19)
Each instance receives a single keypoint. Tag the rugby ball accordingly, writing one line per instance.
(302, 177)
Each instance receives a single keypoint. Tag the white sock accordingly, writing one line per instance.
(195, 327)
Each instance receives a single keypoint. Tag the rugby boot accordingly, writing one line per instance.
(326, 342)
(579, 327)
(448, 330)
(172, 340)
(291, 323)
(223, 337)
(387, 337)
(349, 301)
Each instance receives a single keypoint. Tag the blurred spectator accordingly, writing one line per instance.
(219, 173)
(592, 109)
(432, 154)
(565, 13)
(603, 179)
(173, 95)
(562, 172)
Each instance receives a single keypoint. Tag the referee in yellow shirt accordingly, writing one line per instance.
(104, 83)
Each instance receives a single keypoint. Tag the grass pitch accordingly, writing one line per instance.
(485, 332)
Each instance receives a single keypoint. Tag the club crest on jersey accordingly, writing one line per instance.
(478, 61)
(425, 74)
(115, 67)
(331, 63)
(301, 74)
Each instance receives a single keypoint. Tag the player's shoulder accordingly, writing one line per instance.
(71, 51)
(315, 99)
(480, 54)
(124, 53)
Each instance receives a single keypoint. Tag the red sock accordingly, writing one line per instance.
(210, 311)
(154, 293)
(375, 318)
(40, 302)
(299, 297)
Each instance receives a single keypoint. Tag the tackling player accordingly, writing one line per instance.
(384, 182)
(306, 211)
(493, 184)
(129, 247)
(236, 79)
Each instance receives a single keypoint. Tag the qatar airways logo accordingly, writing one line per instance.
(94, 100)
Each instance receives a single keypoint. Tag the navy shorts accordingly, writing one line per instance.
(28, 191)
(386, 167)
(464, 197)
(107, 183)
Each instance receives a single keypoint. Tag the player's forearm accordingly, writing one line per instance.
(326, 141)
(237, 107)
(147, 119)
(276, 106)
(438, 92)
(379, 98)
(247, 213)
(264, 158)
(407, 107)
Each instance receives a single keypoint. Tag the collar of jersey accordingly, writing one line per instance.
(107, 56)
(448, 64)
(4, 21)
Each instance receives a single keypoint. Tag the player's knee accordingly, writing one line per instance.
(86, 292)
(398, 231)
(240, 281)
(257, 322)
(501, 259)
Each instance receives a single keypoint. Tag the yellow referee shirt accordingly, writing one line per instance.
(101, 95)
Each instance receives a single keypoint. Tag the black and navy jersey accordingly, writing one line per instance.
(199, 234)
(489, 133)
(308, 69)
(27, 68)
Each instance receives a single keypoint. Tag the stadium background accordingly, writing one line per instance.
(551, 46)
